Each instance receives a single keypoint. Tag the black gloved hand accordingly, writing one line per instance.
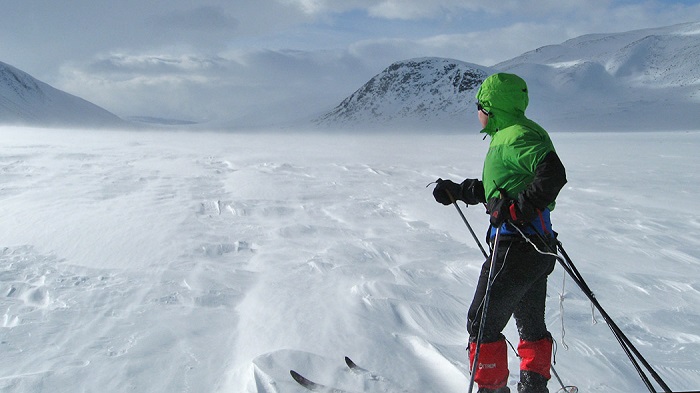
(446, 188)
(520, 211)
(471, 191)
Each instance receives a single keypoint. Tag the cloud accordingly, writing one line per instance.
(266, 83)
(152, 64)
(411, 10)
(38, 34)
(254, 84)
(445, 9)
(476, 47)
(388, 9)
(203, 18)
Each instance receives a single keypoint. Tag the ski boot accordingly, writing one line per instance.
(503, 389)
(532, 382)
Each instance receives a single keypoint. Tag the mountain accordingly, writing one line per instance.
(415, 92)
(28, 101)
(638, 80)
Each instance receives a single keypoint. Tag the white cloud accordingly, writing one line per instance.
(307, 6)
(244, 83)
(445, 9)
(203, 18)
(389, 9)
(404, 10)
(119, 63)
(476, 47)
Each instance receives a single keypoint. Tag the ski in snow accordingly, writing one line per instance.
(313, 386)
(359, 370)
(369, 376)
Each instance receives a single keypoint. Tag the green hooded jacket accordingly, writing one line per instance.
(518, 144)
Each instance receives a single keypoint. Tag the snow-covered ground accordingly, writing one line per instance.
(205, 262)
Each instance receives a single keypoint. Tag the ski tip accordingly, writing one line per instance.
(353, 366)
(297, 377)
(313, 386)
(350, 363)
(301, 380)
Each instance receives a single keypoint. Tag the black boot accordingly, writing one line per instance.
(532, 382)
(504, 389)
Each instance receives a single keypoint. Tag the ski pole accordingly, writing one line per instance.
(568, 266)
(487, 295)
(627, 346)
(476, 239)
(625, 342)
(564, 388)
(478, 243)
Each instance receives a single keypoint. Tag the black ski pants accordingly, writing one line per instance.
(519, 289)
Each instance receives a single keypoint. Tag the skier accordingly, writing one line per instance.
(521, 178)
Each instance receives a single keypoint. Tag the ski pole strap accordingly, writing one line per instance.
(561, 312)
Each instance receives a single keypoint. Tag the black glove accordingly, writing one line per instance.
(520, 211)
(471, 191)
(446, 188)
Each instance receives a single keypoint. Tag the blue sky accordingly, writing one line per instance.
(220, 60)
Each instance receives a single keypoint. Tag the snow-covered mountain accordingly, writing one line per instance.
(415, 92)
(638, 80)
(26, 100)
(644, 79)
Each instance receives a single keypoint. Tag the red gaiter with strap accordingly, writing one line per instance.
(536, 356)
(492, 370)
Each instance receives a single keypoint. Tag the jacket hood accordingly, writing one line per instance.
(505, 97)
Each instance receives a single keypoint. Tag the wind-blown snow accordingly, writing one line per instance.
(191, 262)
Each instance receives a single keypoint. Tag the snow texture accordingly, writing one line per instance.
(203, 262)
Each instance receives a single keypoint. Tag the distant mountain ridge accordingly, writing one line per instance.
(639, 80)
(660, 57)
(427, 90)
(27, 101)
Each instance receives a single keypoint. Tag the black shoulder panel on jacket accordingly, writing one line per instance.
(550, 178)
